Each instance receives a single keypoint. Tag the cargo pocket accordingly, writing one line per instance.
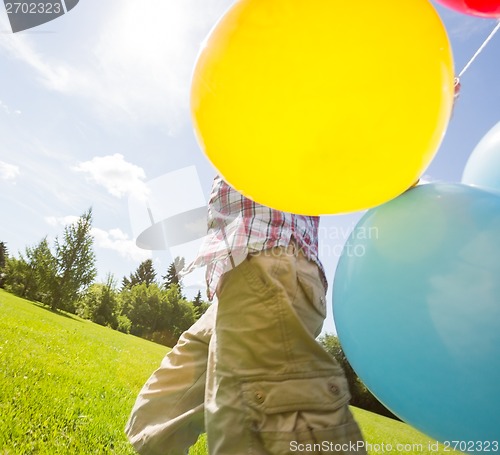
(310, 304)
(300, 414)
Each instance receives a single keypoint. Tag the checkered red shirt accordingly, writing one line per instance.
(237, 226)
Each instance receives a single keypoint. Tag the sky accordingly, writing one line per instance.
(94, 112)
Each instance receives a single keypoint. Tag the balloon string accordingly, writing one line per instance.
(480, 49)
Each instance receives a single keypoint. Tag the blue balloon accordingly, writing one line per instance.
(416, 301)
(483, 167)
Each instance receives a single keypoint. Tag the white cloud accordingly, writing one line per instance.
(136, 66)
(55, 221)
(117, 240)
(8, 171)
(118, 176)
(8, 110)
(56, 76)
(113, 239)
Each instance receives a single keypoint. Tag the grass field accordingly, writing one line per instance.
(67, 387)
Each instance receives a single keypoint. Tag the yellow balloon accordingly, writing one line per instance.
(320, 106)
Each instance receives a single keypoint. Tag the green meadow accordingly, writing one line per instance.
(67, 387)
(66, 384)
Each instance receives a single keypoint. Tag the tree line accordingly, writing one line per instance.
(63, 278)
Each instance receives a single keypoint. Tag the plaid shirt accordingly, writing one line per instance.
(238, 226)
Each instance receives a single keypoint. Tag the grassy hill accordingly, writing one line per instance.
(67, 387)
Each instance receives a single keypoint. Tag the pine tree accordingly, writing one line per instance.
(42, 267)
(144, 274)
(197, 300)
(32, 275)
(172, 276)
(75, 263)
(4, 254)
(199, 305)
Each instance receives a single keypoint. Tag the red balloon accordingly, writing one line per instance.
(482, 8)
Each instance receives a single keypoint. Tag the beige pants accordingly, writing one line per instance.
(268, 388)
